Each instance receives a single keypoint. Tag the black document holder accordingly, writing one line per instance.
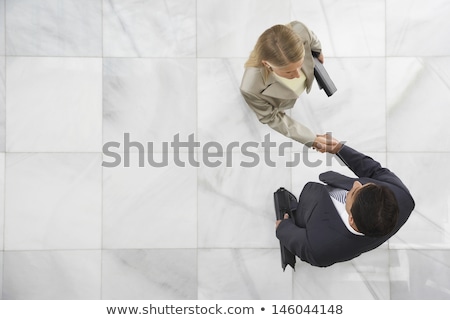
(282, 199)
(323, 79)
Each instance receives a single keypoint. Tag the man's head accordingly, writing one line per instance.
(373, 209)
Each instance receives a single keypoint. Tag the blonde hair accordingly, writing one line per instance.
(279, 45)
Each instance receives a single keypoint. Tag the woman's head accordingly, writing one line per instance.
(278, 47)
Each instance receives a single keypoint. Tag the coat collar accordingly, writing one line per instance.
(274, 88)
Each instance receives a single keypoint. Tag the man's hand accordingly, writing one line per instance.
(326, 143)
(286, 216)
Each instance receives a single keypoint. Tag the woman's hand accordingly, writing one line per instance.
(321, 58)
(326, 143)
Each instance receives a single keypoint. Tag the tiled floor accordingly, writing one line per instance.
(80, 77)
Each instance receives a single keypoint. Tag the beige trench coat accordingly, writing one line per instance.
(270, 99)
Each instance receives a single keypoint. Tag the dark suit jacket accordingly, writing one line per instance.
(319, 236)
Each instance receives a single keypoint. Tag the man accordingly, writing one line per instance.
(339, 220)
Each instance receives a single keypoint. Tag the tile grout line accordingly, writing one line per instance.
(386, 110)
(196, 129)
(101, 158)
(4, 169)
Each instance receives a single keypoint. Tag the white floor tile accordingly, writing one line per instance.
(365, 277)
(417, 101)
(346, 28)
(427, 176)
(1, 275)
(53, 104)
(49, 28)
(420, 274)
(228, 30)
(409, 23)
(52, 275)
(235, 204)
(53, 201)
(2, 103)
(2, 199)
(169, 274)
(150, 207)
(242, 274)
(152, 100)
(154, 28)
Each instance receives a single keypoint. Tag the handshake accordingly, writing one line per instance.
(326, 143)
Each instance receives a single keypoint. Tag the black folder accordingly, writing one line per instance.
(283, 199)
(323, 79)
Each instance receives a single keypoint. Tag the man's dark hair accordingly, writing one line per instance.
(375, 210)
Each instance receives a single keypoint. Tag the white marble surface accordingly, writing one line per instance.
(236, 215)
(363, 278)
(52, 275)
(159, 274)
(417, 28)
(232, 30)
(2, 199)
(154, 28)
(427, 176)
(420, 274)
(53, 201)
(54, 28)
(1, 275)
(151, 99)
(2, 28)
(360, 33)
(242, 274)
(2, 104)
(148, 207)
(346, 28)
(53, 104)
(73, 229)
(418, 89)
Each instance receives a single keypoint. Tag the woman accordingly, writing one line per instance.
(279, 69)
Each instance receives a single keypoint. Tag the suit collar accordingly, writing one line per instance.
(337, 180)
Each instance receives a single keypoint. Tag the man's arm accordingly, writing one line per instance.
(294, 239)
(363, 165)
